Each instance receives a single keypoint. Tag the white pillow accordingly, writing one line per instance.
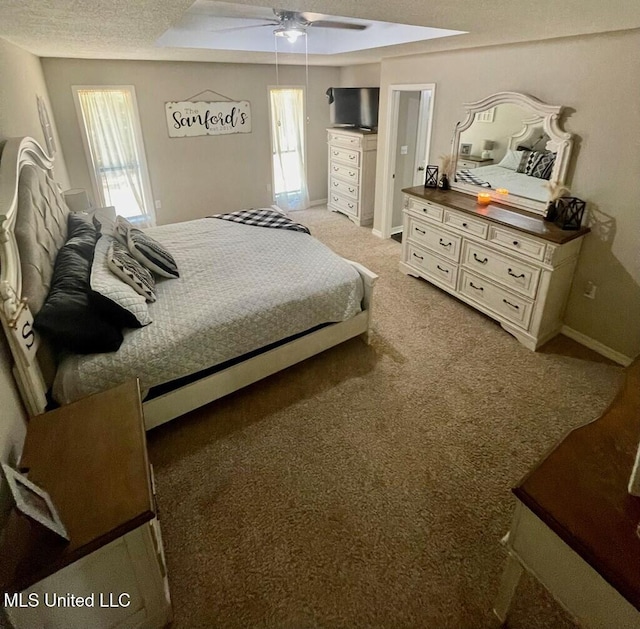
(106, 217)
(117, 300)
(511, 160)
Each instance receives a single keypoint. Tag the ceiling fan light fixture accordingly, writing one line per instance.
(292, 33)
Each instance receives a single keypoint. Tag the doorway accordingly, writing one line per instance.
(409, 116)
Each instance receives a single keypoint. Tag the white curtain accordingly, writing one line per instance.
(110, 125)
(288, 144)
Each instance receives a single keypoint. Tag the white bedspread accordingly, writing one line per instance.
(518, 184)
(240, 289)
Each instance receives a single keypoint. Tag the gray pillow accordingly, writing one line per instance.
(111, 296)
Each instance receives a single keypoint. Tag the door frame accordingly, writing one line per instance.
(393, 98)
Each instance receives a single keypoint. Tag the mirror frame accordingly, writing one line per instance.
(560, 142)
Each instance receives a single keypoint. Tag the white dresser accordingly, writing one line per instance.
(510, 264)
(352, 170)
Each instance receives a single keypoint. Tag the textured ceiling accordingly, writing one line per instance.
(127, 29)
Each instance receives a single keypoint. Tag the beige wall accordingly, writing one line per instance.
(598, 79)
(194, 177)
(21, 79)
(366, 75)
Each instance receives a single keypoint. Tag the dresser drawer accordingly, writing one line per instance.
(344, 204)
(345, 140)
(517, 242)
(506, 304)
(344, 155)
(512, 273)
(344, 188)
(426, 208)
(441, 270)
(438, 240)
(346, 173)
(464, 164)
(465, 224)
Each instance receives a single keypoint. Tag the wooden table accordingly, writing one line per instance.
(91, 458)
(576, 526)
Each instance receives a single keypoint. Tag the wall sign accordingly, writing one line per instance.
(187, 119)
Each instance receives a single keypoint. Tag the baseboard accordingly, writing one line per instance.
(397, 230)
(318, 202)
(596, 346)
(377, 232)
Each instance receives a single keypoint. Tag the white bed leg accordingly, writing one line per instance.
(368, 280)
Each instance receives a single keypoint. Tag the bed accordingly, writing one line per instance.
(250, 301)
(496, 176)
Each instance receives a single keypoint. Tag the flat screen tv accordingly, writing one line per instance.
(354, 106)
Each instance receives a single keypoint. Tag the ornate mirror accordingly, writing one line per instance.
(511, 142)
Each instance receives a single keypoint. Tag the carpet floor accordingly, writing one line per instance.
(370, 485)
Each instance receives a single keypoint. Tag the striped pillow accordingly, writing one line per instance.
(130, 271)
(151, 254)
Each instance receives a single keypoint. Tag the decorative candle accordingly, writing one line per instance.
(502, 192)
(484, 198)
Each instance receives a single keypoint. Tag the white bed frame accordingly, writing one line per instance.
(24, 341)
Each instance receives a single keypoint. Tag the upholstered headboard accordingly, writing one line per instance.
(32, 228)
(41, 229)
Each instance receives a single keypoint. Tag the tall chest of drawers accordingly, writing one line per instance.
(513, 266)
(352, 169)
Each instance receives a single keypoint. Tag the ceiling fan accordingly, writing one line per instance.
(294, 24)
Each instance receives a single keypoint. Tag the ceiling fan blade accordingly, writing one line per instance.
(343, 25)
(242, 28)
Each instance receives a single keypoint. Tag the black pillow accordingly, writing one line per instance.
(66, 318)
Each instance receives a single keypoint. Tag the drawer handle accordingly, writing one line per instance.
(336, 153)
(415, 255)
(335, 184)
(335, 198)
(352, 189)
(510, 304)
(516, 243)
(443, 270)
(352, 156)
(512, 274)
(420, 230)
(477, 259)
(476, 287)
(465, 225)
(445, 244)
(351, 174)
(335, 168)
(424, 209)
(351, 206)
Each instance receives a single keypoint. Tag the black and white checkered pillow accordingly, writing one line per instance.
(130, 271)
(151, 254)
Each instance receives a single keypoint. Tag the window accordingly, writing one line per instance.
(288, 147)
(113, 142)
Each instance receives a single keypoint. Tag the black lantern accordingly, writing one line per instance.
(569, 212)
(431, 180)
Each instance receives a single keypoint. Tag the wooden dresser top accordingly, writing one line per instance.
(580, 491)
(91, 457)
(498, 213)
